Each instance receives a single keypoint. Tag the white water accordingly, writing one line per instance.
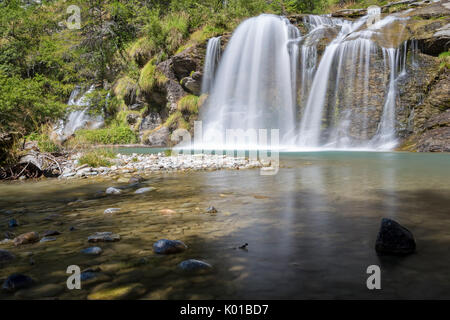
(269, 78)
(255, 86)
(213, 52)
(80, 117)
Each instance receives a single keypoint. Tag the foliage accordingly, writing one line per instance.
(444, 57)
(115, 134)
(188, 104)
(97, 158)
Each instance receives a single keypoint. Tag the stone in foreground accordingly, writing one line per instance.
(51, 233)
(94, 251)
(194, 265)
(17, 281)
(165, 246)
(104, 237)
(394, 239)
(29, 237)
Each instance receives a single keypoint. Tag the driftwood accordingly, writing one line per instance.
(34, 165)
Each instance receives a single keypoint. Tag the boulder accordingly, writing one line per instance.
(394, 239)
(158, 138)
(193, 84)
(151, 121)
(112, 190)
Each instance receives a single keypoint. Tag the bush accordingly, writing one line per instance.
(112, 135)
(444, 57)
(97, 158)
(188, 104)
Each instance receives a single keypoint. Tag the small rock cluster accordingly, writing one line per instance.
(133, 163)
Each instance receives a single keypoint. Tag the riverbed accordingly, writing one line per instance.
(310, 230)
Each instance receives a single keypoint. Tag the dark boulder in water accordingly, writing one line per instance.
(394, 239)
(194, 265)
(17, 281)
(165, 246)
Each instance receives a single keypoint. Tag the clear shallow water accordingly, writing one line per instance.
(311, 230)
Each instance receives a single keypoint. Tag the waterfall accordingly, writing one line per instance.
(80, 117)
(212, 58)
(339, 96)
(254, 87)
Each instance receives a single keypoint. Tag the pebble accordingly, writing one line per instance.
(47, 239)
(211, 210)
(104, 237)
(165, 246)
(112, 190)
(144, 190)
(50, 233)
(126, 164)
(112, 210)
(94, 251)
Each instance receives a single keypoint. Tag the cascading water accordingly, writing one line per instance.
(254, 87)
(213, 52)
(80, 117)
(269, 78)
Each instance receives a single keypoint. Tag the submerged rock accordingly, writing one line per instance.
(94, 251)
(144, 190)
(165, 246)
(112, 190)
(136, 179)
(17, 281)
(394, 239)
(211, 209)
(50, 233)
(9, 235)
(112, 210)
(6, 256)
(104, 237)
(47, 239)
(13, 223)
(29, 237)
(194, 265)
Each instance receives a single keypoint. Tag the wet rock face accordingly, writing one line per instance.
(165, 246)
(437, 135)
(17, 281)
(151, 121)
(394, 239)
